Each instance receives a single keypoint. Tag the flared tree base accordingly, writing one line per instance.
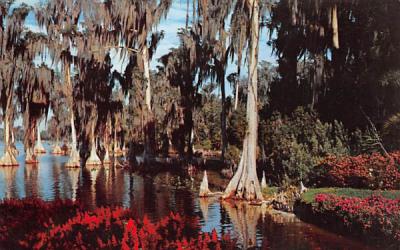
(106, 160)
(39, 149)
(14, 150)
(8, 159)
(73, 161)
(124, 150)
(93, 162)
(93, 159)
(31, 159)
(204, 191)
(57, 150)
(66, 149)
(118, 152)
(245, 184)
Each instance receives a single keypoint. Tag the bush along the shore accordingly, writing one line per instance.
(373, 217)
(296, 143)
(373, 171)
(102, 228)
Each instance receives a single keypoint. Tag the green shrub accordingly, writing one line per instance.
(233, 154)
(269, 192)
(205, 144)
(391, 132)
(295, 144)
(236, 128)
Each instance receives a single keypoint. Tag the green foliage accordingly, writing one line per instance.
(362, 72)
(237, 127)
(233, 154)
(207, 120)
(294, 144)
(204, 144)
(391, 132)
(309, 196)
(269, 191)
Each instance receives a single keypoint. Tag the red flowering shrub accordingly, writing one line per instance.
(364, 171)
(109, 228)
(373, 215)
(21, 219)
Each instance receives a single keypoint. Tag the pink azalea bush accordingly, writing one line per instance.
(373, 171)
(374, 215)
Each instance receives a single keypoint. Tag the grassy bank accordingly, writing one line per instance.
(309, 196)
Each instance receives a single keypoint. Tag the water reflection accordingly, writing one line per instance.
(8, 183)
(71, 186)
(244, 218)
(31, 180)
(157, 196)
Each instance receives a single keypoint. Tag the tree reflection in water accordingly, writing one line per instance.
(88, 189)
(9, 177)
(31, 175)
(204, 203)
(73, 177)
(244, 218)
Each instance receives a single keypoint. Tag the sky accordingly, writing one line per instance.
(175, 20)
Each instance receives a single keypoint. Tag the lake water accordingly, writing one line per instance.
(158, 195)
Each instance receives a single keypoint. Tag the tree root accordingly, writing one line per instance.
(57, 150)
(9, 159)
(94, 159)
(106, 160)
(74, 161)
(14, 150)
(244, 185)
(30, 157)
(39, 148)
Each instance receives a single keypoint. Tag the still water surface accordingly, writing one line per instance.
(156, 196)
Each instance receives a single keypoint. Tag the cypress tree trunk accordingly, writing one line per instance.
(116, 152)
(74, 159)
(30, 157)
(57, 149)
(236, 94)
(237, 80)
(335, 27)
(149, 118)
(13, 146)
(245, 183)
(8, 158)
(188, 116)
(93, 159)
(106, 160)
(145, 56)
(223, 121)
(39, 149)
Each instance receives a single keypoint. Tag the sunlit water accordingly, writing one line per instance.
(156, 196)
